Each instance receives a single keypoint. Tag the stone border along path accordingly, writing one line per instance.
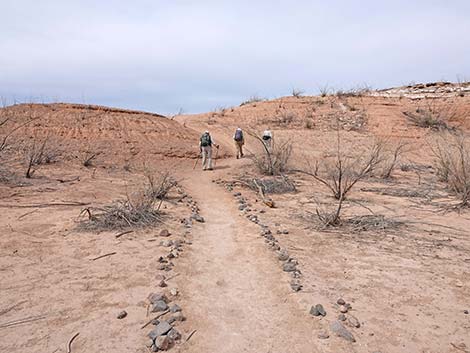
(167, 313)
(289, 264)
(234, 294)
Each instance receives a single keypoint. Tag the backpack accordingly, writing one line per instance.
(238, 135)
(206, 140)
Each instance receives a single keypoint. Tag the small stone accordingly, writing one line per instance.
(342, 317)
(174, 334)
(343, 309)
(149, 343)
(340, 301)
(465, 312)
(161, 329)
(178, 316)
(341, 331)
(314, 311)
(163, 343)
(158, 306)
(166, 243)
(285, 231)
(283, 255)
(165, 233)
(241, 207)
(174, 292)
(197, 218)
(122, 315)
(154, 348)
(237, 194)
(155, 297)
(296, 287)
(175, 308)
(323, 335)
(289, 267)
(162, 284)
(159, 277)
(320, 309)
(353, 322)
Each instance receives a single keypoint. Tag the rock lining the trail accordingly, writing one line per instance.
(338, 328)
(164, 335)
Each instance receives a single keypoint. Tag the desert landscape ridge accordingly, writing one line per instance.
(347, 232)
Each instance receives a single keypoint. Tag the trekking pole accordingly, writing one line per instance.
(197, 159)
(216, 154)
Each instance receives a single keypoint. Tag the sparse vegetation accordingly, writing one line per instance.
(297, 93)
(141, 209)
(38, 153)
(324, 91)
(270, 185)
(252, 99)
(431, 115)
(340, 174)
(273, 159)
(452, 161)
(392, 154)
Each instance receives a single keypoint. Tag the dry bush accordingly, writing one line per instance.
(372, 223)
(286, 117)
(297, 93)
(252, 99)
(391, 156)
(138, 210)
(340, 174)
(87, 158)
(270, 185)
(274, 159)
(324, 90)
(160, 184)
(38, 153)
(431, 114)
(452, 161)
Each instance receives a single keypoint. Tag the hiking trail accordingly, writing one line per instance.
(236, 295)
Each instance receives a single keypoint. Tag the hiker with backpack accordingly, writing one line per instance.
(205, 146)
(268, 138)
(239, 142)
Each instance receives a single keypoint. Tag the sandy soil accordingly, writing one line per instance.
(408, 285)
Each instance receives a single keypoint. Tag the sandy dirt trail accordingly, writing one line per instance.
(236, 295)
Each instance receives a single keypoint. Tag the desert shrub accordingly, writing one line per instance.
(160, 184)
(391, 156)
(431, 115)
(452, 162)
(297, 93)
(273, 159)
(270, 185)
(340, 173)
(38, 153)
(309, 124)
(286, 117)
(324, 91)
(252, 99)
(139, 209)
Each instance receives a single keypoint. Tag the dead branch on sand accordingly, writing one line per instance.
(105, 255)
(69, 344)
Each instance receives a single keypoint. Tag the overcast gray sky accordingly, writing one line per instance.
(199, 55)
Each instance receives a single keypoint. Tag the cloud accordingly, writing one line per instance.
(162, 56)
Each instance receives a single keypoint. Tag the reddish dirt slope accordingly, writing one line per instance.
(114, 133)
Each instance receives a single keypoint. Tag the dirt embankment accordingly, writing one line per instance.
(117, 136)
